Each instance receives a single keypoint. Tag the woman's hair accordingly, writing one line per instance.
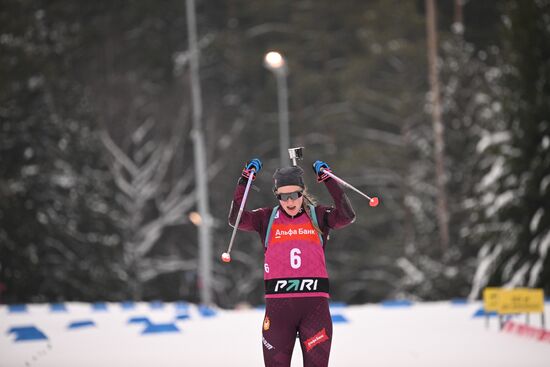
(308, 199)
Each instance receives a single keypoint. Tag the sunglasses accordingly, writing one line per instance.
(291, 195)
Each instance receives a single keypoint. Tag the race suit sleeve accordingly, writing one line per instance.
(251, 220)
(339, 215)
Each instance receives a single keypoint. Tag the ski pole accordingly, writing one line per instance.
(226, 256)
(373, 201)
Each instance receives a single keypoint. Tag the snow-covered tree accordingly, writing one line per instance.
(150, 203)
(516, 186)
(471, 107)
(57, 233)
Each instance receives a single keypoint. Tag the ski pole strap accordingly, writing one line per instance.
(323, 175)
(296, 285)
(249, 172)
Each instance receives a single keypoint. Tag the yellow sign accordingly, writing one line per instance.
(491, 299)
(520, 300)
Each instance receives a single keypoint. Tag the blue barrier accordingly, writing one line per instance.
(183, 316)
(17, 308)
(481, 313)
(339, 319)
(397, 303)
(337, 305)
(27, 333)
(181, 305)
(156, 305)
(160, 328)
(127, 305)
(99, 306)
(81, 324)
(139, 319)
(58, 307)
(206, 311)
(459, 301)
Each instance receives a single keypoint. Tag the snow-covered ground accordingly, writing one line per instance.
(183, 335)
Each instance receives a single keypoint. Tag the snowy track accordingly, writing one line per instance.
(144, 335)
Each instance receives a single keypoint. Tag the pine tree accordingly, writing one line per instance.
(58, 229)
(517, 190)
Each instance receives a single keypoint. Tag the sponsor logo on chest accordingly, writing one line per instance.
(293, 232)
(287, 232)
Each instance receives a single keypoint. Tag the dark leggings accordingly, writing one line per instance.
(307, 316)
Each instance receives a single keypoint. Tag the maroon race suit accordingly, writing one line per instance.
(295, 275)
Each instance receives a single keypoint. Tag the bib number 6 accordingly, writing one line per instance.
(295, 259)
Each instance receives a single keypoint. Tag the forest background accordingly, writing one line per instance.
(97, 180)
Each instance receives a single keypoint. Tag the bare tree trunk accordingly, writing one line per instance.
(409, 237)
(439, 143)
(458, 22)
(459, 15)
(201, 173)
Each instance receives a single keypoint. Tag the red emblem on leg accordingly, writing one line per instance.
(316, 339)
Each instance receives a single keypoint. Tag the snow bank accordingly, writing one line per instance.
(400, 334)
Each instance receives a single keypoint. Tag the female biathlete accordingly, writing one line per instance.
(294, 234)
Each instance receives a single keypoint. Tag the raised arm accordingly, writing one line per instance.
(250, 220)
(341, 214)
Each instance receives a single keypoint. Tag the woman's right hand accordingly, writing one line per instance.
(254, 165)
(319, 167)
